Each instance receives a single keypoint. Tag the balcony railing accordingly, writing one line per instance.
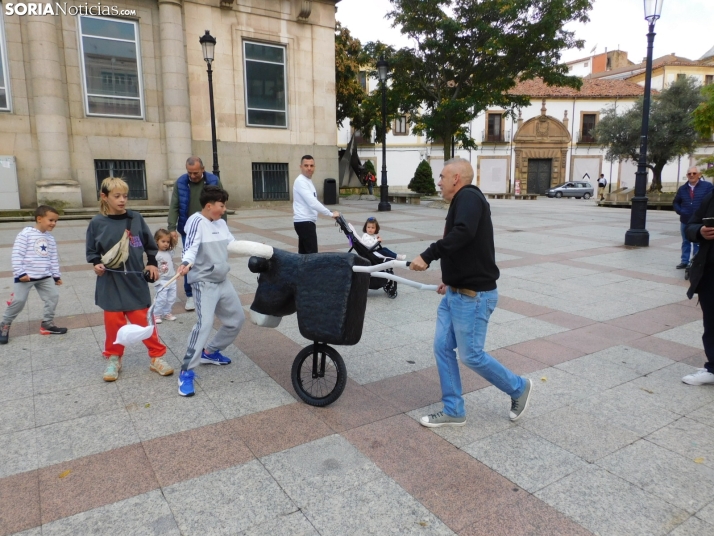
(503, 137)
(586, 137)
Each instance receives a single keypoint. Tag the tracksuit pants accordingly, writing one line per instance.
(213, 300)
(165, 299)
(48, 292)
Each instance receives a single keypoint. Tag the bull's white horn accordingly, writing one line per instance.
(250, 249)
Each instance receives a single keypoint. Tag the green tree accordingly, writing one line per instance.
(468, 55)
(704, 124)
(369, 166)
(349, 92)
(671, 129)
(423, 180)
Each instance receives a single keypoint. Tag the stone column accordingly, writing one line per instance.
(50, 109)
(174, 82)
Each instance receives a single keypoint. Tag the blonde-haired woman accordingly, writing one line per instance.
(123, 292)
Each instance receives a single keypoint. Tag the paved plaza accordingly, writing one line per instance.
(613, 443)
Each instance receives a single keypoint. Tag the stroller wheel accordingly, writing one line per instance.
(319, 375)
(391, 289)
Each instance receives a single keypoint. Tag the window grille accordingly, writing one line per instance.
(270, 182)
(132, 171)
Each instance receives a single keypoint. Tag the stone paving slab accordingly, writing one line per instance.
(613, 442)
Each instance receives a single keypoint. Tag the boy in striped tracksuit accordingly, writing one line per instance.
(35, 263)
(205, 263)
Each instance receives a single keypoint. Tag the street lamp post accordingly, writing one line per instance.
(208, 43)
(383, 70)
(637, 234)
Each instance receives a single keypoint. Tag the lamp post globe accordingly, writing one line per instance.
(637, 234)
(383, 72)
(208, 44)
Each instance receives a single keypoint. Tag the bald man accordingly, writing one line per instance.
(469, 274)
(686, 202)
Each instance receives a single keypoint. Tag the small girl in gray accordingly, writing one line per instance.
(165, 259)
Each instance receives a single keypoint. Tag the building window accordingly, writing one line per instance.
(494, 132)
(270, 182)
(681, 76)
(4, 78)
(401, 126)
(111, 60)
(363, 81)
(266, 96)
(132, 171)
(587, 130)
(708, 79)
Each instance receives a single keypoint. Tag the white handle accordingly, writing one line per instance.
(380, 267)
(407, 282)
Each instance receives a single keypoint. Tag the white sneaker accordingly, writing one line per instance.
(157, 320)
(190, 306)
(401, 257)
(700, 377)
(169, 317)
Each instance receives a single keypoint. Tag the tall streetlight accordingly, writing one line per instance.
(208, 43)
(637, 235)
(383, 70)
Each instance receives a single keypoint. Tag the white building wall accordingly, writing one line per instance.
(405, 152)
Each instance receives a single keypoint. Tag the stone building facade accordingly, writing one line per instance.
(127, 94)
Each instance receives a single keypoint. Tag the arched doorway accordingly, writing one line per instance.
(541, 148)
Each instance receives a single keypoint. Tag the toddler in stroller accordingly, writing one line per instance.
(371, 238)
(374, 253)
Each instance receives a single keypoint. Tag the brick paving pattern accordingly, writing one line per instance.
(613, 443)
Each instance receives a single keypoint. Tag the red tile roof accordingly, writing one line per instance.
(591, 89)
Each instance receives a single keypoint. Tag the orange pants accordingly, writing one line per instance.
(114, 320)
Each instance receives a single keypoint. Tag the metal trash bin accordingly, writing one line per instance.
(330, 192)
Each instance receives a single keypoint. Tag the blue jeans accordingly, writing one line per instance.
(186, 286)
(687, 246)
(461, 322)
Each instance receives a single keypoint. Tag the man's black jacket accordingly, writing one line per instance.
(467, 253)
(705, 210)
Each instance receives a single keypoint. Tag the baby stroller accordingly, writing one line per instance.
(371, 254)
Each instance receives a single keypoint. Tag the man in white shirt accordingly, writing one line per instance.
(306, 207)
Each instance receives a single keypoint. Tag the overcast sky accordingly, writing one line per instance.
(685, 27)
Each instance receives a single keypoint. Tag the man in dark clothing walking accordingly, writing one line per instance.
(468, 274)
(185, 202)
(701, 282)
(686, 202)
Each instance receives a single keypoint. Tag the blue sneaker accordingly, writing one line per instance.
(185, 383)
(215, 358)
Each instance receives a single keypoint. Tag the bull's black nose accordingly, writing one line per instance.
(258, 264)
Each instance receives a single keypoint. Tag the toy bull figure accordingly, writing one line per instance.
(329, 293)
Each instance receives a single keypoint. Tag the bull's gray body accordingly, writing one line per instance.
(329, 298)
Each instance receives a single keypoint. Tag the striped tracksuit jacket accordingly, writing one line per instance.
(206, 249)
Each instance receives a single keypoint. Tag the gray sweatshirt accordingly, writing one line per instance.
(207, 249)
(120, 291)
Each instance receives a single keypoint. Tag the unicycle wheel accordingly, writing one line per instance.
(319, 375)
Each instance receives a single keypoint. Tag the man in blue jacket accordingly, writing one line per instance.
(686, 202)
(185, 202)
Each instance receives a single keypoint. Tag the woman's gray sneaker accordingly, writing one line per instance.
(520, 404)
(436, 420)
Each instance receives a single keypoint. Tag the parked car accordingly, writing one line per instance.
(574, 189)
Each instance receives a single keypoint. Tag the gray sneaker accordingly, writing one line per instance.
(520, 404)
(436, 420)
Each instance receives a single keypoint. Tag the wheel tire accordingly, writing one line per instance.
(323, 389)
(586, 196)
(558, 195)
(391, 289)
